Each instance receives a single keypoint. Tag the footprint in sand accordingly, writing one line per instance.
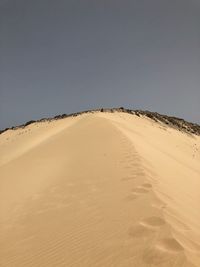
(140, 190)
(167, 252)
(136, 192)
(140, 231)
(147, 185)
(144, 188)
(138, 173)
(131, 197)
(128, 178)
(136, 165)
(146, 227)
(169, 245)
(153, 221)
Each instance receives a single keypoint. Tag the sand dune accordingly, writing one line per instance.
(101, 189)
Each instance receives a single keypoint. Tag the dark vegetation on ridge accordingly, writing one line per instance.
(177, 123)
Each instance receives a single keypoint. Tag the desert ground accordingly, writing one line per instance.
(99, 190)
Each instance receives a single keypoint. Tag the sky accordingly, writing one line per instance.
(65, 56)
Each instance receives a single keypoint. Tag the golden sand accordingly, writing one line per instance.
(100, 190)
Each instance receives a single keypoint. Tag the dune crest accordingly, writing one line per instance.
(100, 189)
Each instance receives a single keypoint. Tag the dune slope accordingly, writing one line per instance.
(99, 190)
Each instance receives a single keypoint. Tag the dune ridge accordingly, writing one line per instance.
(100, 189)
(170, 121)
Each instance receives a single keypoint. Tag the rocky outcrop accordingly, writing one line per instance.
(174, 122)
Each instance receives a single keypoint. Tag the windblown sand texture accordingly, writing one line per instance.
(101, 189)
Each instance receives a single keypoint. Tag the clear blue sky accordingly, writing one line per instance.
(65, 56)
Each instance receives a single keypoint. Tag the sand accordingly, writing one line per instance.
(101, 189)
